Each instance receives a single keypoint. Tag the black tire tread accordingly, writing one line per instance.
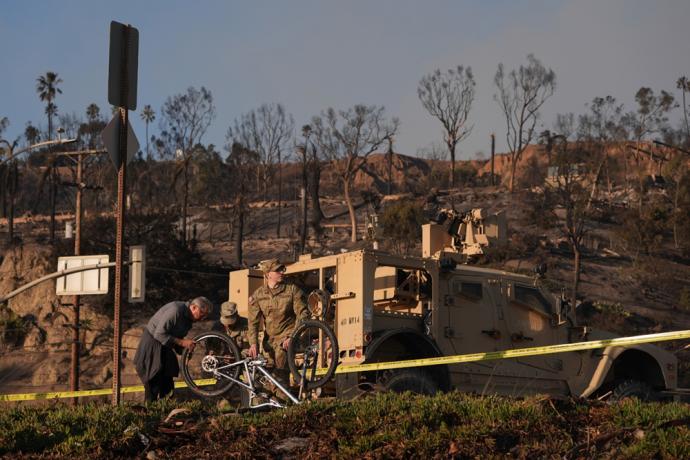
(295, 370)
(632, 388)
(200, 391)
(414, 380)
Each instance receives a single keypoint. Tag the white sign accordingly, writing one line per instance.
(137, 274)
(87, 282)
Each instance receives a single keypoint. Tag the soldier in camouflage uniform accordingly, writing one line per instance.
(235, 326)
(282, 306)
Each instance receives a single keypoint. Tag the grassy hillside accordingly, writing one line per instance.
(381, 426)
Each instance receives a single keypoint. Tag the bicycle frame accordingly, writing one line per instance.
(250, 366)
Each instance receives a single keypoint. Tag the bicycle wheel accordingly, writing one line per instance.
(212, 354)
(313, 353)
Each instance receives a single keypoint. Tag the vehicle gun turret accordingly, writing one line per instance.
(466, 233)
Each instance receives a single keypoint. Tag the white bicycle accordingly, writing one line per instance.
(215, 365)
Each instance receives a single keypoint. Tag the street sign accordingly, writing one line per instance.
(88, 282)
(124, 66)
(111, 139)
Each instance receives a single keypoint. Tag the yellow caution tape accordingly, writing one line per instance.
(515, 353)
(455, 359)
(82, 393)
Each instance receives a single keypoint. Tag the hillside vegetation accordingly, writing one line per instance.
(382, 426)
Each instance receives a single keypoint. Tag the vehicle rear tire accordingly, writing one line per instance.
(413, 380)
(213, 350)
(633, 389)
(303, 346)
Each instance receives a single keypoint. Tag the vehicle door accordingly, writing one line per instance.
(531, 322)
(472, 322)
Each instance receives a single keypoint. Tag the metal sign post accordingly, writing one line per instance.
(122, 84)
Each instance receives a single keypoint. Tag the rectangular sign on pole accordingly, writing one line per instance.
(124, 65)
(88, 282)
(137, 274)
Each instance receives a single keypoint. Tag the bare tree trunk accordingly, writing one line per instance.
(239, 230)
(316, 212)
(264, 184)
(576, 275)
(675, 214)
(52, 203)
(13, 194)
(5, 170)
(148, 185)
(685, 114)
(303, 224)
(513, 165)
(303, 199)
(625, 172)
(148, 155)
(597, 176)
(184, 205)
(640, 179)
(52, 182)
(390, 172)
(280, 195)
(259, 176)
(390, 166)
(493, 155)
(351, 210)
(451, 149)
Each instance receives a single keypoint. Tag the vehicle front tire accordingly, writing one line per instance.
(414, 380)
(633, 389)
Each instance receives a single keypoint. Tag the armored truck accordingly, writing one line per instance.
(388, 308)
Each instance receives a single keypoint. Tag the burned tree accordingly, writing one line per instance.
(521, 93)
(448, 97)
(600, 129)
(243, 162)
(568, 190)
(311, 177)
(266, 131)
(347, 138)
(186, 117)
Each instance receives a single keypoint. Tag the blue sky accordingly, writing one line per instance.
(311, 55)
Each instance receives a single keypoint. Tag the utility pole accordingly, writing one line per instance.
(76, 342)
(74, 374)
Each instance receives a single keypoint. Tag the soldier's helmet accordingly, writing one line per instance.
(228, 313)
(271, 265)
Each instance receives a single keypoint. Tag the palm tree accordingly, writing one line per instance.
(47, 89)
(148, 115)
(93, 112)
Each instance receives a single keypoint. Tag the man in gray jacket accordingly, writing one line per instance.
(164, 334)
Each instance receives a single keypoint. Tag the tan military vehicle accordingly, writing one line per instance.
(389, 308)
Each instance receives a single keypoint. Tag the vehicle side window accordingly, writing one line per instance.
(532, 297)
(471, 291)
